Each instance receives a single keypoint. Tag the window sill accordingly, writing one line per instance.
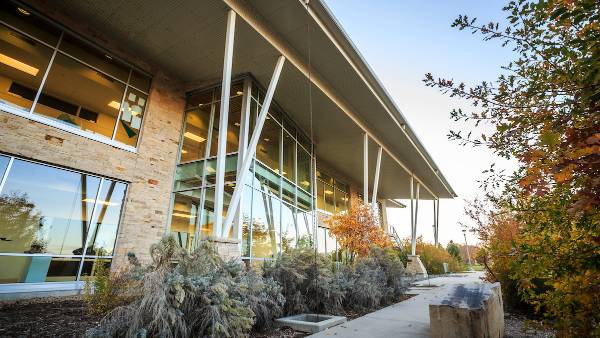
(64, 127)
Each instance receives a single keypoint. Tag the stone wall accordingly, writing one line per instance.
(149, 172)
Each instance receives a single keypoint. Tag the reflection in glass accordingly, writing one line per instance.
(341, 201)
(288, 228)
(320, 195)
(90, 266)
(103, 229)
(30, 24)
(81, 97)
(23, 62)
(195, 135)
(305, 224)
(132, 113)
(321, 239)
(188, 176)
(230, 169)
(38, 269)
(266, 179)
(45, 210)
(265, 225)
(330, 241)
(3, 164)
(246, 214)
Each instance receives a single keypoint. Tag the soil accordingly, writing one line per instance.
(520, 326)
(46, 317)
(68, 317)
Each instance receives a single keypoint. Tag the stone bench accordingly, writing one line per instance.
(468, 311)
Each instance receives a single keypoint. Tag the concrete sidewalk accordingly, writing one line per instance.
(409, 318)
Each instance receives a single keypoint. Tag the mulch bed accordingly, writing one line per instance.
(46, 317)
(68, 317)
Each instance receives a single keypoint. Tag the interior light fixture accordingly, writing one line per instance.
(239, 92)
(305, 183)
(211, 170)
(179, 214)
(91, 200)
(108, 56)
(267, 139)
(237, 124)
(183, 151)
(22, 11)
(328, 192)
(194, 137)
(114, 104)
(7, 60)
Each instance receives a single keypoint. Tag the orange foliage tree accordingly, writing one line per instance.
(358, 229)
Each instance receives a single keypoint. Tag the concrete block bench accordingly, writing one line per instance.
(468, 311)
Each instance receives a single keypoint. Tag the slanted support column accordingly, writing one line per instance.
(436, 220)
(223, 120)
(366, 168)
(376, 180)
(251, 150)
(244, 136)
(414, 209)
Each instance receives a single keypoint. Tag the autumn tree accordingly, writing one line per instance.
(543, 110)
(358, 229)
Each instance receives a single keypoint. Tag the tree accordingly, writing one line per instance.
(543, 111)
(454, 250)
(358, 229)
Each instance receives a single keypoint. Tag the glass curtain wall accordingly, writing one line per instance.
(333, 197)
(55, 224)
(276, 205)
(47, 72)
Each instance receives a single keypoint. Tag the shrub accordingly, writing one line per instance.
(105, 291)
(195, 294)
(433, 257)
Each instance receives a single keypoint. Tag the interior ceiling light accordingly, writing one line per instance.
(305, 182)
(239, 92)
(194, 137)
(236, 124)
(211, 170)
(267, 139)
(328, 192)
(183, 151)
(108, 56)
(7, 60)
(91, 200)
(114, 104)
(22, 11)
(179, 214)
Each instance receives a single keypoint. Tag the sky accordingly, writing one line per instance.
(402, 40)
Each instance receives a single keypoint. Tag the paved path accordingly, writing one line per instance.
(409, 318)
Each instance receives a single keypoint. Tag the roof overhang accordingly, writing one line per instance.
(186, 40)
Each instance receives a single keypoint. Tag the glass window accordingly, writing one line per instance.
(195, 135)
(103, 229)
(230, 169)
(184, 217)
(3, 164)
(304, 178)
(330, 241)
(130, 120)
(266, 179)
(140, 81)
(23, 62)
(246, 214)
(90, 266)
(304, 201)
(267, 150)
(233, 127)
(207, 222)
(200, 99)
(188, 176)
(289, 157)
(38, 269)
(289, 226)
(305, 224)
(328, 190)
(21, 19)
(341, 200)
(72, 87)
(321, 239)
(45, 210)
(265, 225)
(320, 195)
(289, 193)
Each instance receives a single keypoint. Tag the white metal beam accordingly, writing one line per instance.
(251, 150)
(366, 168)
(376, 180)
(414, 235)
(223, 121)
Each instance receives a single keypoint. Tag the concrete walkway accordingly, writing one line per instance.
(409, 318)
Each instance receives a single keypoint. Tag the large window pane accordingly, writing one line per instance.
(267, 150)
(304, 179)
(341, 200)
(330, 241)
(328, 190)
(246, 214)
(184, 217)
(81, 97)
(45, 210)
(38, 269)
(104, 226)
(266, 179)
(230, 169)
(320, 195)
(188, 176)
(265, 225)
(289, 157)
(288, 228)
(321, 234)
(208, 215)
(23, 62)
(132, 113)
(305, 224)
(3, 164)
(195, 135)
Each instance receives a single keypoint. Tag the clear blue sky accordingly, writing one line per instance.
(404, 39)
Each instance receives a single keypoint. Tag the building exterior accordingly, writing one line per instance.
(243, 122)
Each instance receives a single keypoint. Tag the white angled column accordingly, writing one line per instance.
(414, 233)
(366, 168)
(223, 120)
(376, 180)
(251, 150)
